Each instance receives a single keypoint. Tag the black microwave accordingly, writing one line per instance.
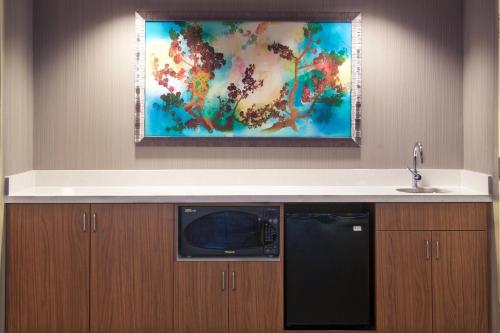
(228, 231)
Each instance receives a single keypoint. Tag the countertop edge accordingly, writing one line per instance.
(251, 199)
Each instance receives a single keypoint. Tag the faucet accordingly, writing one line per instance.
(418, 149)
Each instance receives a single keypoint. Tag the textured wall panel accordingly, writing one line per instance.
(84, 84)
(481, 86)
(18, 87)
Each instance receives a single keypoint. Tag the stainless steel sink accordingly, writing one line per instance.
(422, 190)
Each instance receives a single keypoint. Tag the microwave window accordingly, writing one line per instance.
(225, 231)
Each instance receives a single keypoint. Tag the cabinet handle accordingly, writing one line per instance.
(94, 222)
(84, 222)
(428, 249)
(437, 250)
(234, 281)
(223, 281)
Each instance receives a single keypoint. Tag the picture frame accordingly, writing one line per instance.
(141, 136)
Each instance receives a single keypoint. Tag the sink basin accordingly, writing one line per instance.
(421, 190)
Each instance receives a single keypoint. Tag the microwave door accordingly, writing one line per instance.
(223, 233)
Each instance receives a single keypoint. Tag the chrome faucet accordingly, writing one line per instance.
(418, 149)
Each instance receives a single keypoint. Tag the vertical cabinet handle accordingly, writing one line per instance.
(233, 281)
(223, 281)
(428, 249)
(84, 222)
(437, 250)
(94, 222)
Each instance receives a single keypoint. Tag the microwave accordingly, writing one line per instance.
(228, 231)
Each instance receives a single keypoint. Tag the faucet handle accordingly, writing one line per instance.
(415, 174)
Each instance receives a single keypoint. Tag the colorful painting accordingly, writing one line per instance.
(247, 79)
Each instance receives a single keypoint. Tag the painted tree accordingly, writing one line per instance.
(199, 61)
(199, 64)
(235, 94)
(322, 73)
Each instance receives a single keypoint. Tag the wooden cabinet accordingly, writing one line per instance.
(132, 268)
(459, 276)
(404, 282)
(82, 268)
(201, 301)
(236, 297)
(109, 268)
(432, 279)
(431, 216)
(48, 257)
(255, 297)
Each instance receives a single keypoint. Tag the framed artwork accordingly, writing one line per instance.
(248, 80)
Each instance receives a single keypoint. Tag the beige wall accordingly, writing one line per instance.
(481, 86)
(18, 101)
(84, 87)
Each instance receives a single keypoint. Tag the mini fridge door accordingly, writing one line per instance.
(328, 282)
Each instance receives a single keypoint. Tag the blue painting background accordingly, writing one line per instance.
(334, 36)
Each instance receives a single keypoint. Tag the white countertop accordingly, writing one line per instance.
(273, 185)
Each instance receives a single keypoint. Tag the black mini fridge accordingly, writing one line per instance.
(329, 267)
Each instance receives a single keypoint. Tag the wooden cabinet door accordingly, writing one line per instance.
(432, 216)
(201, 299)
(255, 297)
(459, 271)
(404, 282)
(132, 268)
(47, 268)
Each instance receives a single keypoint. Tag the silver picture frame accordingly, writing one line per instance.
(355, 18)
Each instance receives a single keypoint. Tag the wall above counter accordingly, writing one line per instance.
(234, 185)
(83, 114)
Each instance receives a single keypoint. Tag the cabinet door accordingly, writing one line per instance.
(403, 278)
(255, 297)
(132, 268)
(460, 281)
(432, 216)
(47, 268)
(201, 300)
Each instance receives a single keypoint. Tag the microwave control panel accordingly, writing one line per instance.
(271, 232)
